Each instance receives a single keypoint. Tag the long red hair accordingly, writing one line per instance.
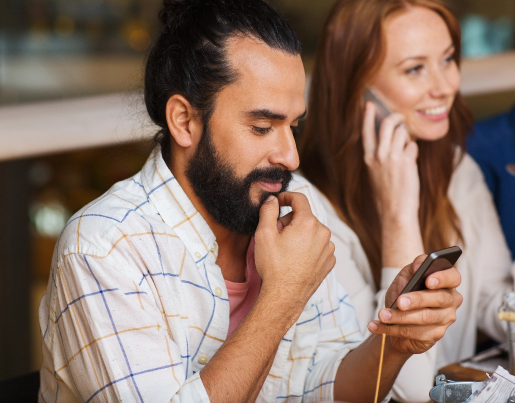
(331, 153)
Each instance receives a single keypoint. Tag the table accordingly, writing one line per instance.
(477, 367)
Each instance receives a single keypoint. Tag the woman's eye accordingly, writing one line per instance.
(261, 130)
(450, 58)
(415, 69)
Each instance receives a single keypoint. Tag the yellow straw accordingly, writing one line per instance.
(505, 315)
(380, 367)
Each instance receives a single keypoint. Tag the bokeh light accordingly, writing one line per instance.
(139, 40)
(49, 219)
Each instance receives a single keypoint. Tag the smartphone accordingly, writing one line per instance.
(382, 110)
(436, 261)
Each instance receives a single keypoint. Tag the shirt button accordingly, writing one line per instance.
(202, 359)
(218, 292)
(213, 248)
(197, 255)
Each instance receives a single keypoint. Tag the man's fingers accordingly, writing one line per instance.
(268, 214)
(377, 327)
(284, 221)
(450, 278)
(297, 201)
(417, 263)
(423, 334)
(407, 272)
(428, 299)
(419, 317)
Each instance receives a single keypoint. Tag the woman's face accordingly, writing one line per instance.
(419, 76)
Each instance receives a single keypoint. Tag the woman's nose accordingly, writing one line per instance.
(444, 83)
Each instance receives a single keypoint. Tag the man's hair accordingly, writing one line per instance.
(189, 57)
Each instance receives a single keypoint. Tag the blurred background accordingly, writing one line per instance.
(72, 121)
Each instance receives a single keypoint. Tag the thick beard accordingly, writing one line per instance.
(225, 196)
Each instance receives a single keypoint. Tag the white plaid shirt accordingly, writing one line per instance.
(136, 305)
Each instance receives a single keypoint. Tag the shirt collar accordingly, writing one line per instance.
(176, 209)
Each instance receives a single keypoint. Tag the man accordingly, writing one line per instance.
(158, 291)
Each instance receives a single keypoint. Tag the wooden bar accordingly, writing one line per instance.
(56, 126)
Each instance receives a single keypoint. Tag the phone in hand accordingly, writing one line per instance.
(382, 110)
(436, 261)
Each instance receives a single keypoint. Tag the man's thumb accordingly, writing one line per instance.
(268, 214)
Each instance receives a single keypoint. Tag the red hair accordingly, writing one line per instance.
(331, 153)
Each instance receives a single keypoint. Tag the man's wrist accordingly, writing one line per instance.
(278, 309)
(395, 357)
(393, 354)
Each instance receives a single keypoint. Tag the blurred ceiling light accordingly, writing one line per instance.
(49, 219)
(64, 25)
(139, 40)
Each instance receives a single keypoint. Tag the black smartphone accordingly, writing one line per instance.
(382, 110)
(436, 261)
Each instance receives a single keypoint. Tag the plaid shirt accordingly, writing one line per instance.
(136, 305)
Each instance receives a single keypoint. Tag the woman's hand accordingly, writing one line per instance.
(391, 159)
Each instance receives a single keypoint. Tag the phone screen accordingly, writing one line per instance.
(382, 110)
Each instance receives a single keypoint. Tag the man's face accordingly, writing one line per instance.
(247, 150)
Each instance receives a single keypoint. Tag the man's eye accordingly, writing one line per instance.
(261, 130)
(294, 130)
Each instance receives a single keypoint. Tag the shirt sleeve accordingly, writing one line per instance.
(339, 335)
(111, 341)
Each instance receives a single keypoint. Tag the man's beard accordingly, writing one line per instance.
(225, 196)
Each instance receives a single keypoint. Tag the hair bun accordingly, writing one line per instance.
(171, 9)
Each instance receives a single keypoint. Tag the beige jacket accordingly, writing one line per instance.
(485, 267)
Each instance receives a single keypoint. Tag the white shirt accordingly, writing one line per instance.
(484, 267)
(136, 305)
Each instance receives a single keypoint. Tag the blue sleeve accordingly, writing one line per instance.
(482, 146)
(492, 145)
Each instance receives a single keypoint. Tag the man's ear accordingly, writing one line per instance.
(182, 121)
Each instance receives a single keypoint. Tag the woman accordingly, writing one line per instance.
(410, 188)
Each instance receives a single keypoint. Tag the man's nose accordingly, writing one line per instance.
(285, 152)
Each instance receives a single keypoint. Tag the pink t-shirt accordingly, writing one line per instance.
(242, 296)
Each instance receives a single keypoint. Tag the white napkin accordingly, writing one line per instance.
(498, 389)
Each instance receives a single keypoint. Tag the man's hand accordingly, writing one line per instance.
(421, 320)
(293, 255)
(294, 260)
(423, 316)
